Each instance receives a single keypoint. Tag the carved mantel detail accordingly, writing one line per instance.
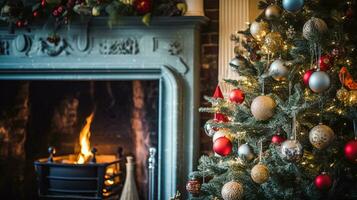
(121, 46)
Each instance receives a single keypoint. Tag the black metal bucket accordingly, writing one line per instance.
(78, 181)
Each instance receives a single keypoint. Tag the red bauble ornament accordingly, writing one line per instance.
(43, 3)
(35, 13)
(19, 23)
(236, 96)
(323, 181)
(307, 75)
(142, 6)
(325, 62)
(351, 151)
(222, 146)
(193, 186)
(278, 139)
(219, 117)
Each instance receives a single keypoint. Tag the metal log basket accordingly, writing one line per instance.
(99, 179)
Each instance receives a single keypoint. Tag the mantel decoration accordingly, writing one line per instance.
(60, 12)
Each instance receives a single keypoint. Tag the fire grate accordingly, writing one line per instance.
(58, 178)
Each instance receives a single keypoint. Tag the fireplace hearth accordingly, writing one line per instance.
(167, 52)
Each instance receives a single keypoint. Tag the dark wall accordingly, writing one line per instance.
(209, 67)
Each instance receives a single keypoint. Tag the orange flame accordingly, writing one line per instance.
(84, 142)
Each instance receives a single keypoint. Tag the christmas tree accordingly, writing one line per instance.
(288, 129)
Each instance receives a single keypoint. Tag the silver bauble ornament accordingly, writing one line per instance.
(260, 173)
(319, 81)
(321, 136)
(291, 150)
(273, 12)
(245, 152)
(222, 133)
(278, 70)
(209, 129)
(314, 29)
(263, 108)
(259, 29)
(238, 62)
(232, 191)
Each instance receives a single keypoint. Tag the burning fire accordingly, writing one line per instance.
(84, 142)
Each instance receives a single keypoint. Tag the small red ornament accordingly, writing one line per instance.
(307, 76)
(325, 62)
(193, 186)
(218, 93)
(222, 146)
(278, 139)
(35, 13)
(323, 181)
(219, 117)
(351, 151)
(19, 23)
(43, 3)
(142, 6)
(236, 96)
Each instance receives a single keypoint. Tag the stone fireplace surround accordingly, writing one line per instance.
(168, 50)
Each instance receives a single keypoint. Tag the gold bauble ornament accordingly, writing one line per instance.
(260, 173)
(259, 29)
(232, 191)
(342, 94)
(273, 12)
(263, 108)
(273, 43)
(321, 136)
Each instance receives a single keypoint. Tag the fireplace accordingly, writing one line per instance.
(166, 52)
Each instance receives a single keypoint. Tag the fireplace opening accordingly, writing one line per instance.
(35, 115)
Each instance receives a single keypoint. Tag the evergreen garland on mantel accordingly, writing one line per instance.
(19, 14)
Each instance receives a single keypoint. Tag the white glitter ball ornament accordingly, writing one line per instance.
(232, 191)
